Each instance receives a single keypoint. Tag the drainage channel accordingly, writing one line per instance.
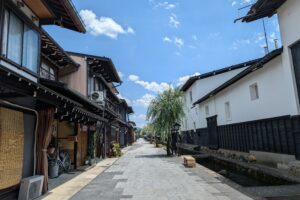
(253, 180)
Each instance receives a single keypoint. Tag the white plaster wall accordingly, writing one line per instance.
(273, 96)
(199, 89)
(276, 82)
(288, 17)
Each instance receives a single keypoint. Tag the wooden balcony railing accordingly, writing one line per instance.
(112, 107)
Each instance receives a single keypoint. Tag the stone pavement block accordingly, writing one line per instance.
(145, 173)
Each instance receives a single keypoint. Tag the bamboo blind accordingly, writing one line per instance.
(11, 147)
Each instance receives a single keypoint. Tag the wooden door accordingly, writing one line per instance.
(212, 128)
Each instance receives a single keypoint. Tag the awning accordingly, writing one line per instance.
(15, 88)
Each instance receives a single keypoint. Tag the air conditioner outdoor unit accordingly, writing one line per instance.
(31, 188)
(98, 97)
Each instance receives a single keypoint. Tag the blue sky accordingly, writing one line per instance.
(154, 43)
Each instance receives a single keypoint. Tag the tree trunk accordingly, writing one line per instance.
(168, 145)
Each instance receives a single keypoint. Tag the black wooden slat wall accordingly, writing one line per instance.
(278, 135)
(271, 135)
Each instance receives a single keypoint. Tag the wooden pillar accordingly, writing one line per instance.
(104, 142)
(75, 144)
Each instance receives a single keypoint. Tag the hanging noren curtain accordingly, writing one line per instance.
(46, 118)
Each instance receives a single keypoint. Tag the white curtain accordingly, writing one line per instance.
(14, 51)
(5, 30)
(30, 49)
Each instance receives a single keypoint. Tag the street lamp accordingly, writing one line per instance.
(176, 127)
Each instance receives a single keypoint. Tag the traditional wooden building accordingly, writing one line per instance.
(75, 138)
(125, 110)
(95, 80)
(32, 108)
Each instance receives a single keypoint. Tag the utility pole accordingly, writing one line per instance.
(266, 38)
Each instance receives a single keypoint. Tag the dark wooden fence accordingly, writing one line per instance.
(278, 135)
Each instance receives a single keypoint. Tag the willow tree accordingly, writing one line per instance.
(166, 110)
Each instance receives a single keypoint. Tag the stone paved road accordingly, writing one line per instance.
(145, 173)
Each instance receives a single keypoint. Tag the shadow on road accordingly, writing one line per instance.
(152, 156)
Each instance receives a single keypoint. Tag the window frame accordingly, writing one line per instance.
(41, 69)
(206, 110)
(227, 111)
(12, 8)
(191, 96)
(254, 93)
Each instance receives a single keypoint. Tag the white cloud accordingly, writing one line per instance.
(173, 21)
(258, 37)
(151, 86)
(246, 1)
(183, 79)
(214, 36)
(144, 100)
(165, 5)
(192, 47)
(272, 37)
(130, 30)
(103, 25)
(133, 78)
(241, 2)
(178, 42)
(139, 119)
(239, 43)
(195, 37)
(167, 39)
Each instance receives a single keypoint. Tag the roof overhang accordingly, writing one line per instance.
(63, 13)
(52, 52)
(105, 67)
(14, 87)
(132, 123)
(40, 8)
(101, 65)
(76, 96)
(261, 9)
(130, 110)
(241, 75)
(193, 79)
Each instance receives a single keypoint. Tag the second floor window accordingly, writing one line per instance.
(47, 72)
(254, 91)
(227, 111)
(207, 110)
(191, 96)
(20, 43)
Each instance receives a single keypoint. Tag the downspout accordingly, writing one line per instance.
(36, 127)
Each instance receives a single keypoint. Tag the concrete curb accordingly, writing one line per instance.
(70, 188)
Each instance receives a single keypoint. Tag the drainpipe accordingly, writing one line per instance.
(36, 127)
